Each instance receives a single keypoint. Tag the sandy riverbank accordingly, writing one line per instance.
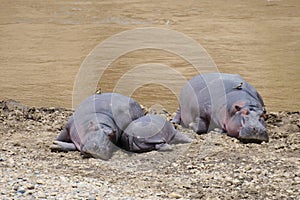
(213, 166)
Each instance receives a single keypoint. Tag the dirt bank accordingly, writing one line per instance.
(213, 166)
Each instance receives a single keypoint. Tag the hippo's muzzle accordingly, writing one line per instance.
(96, 152)
(98, 145)
(253, 134)
(248, 125)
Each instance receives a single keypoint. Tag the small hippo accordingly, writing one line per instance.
(224, 101)
(151, 132)
(97, 125)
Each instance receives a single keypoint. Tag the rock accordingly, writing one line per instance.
(175, 195)
(2, 159)
(21, 190)
(30, 186)
(92, 197)
(16, 187)
(29, 192)
(40, 182)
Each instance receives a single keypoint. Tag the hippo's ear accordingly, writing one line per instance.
(237, 108)
(264, 110)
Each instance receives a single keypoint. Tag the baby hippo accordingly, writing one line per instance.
(151, 132)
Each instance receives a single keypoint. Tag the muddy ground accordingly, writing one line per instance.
(214, 166)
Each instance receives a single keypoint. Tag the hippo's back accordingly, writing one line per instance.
(120, 108)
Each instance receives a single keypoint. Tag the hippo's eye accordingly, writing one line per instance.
(251, 109)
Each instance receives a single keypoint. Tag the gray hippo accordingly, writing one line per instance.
(224, 101)
(97, 125)
(151, 132)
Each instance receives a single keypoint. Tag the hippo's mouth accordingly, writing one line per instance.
(98, 152)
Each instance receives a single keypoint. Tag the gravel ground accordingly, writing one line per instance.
(214, 166)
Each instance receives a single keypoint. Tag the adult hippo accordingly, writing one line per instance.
(151, 132)
(224, 101)
(97, 125)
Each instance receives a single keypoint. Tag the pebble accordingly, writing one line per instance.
(2, 159)
(30, 186)
(41, 182)
(21, 190)
(92, 197)
(175, 195)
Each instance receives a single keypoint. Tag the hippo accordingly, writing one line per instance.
(96, 126)
(151, 132)
(223, 101)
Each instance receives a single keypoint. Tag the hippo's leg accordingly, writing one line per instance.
(199, 126)
(63, 141)
(64, 135)
(62, 146)
(180, 138)
(163, 147)
(177, 118)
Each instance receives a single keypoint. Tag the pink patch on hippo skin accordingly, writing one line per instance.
(112, 136)
(244, 112)
(233, 133)
(233, 125)
(263, 115)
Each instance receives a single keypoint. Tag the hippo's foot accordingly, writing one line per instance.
(199, 126)
(59, 146)
(219, 131)
(177, 118)
(163, 147)
(180, 138)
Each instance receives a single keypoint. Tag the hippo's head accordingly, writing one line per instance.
(247, 124)
(99, 142)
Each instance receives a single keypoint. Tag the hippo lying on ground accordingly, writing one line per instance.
(224, 101)
(97, 125)
(151, 132)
